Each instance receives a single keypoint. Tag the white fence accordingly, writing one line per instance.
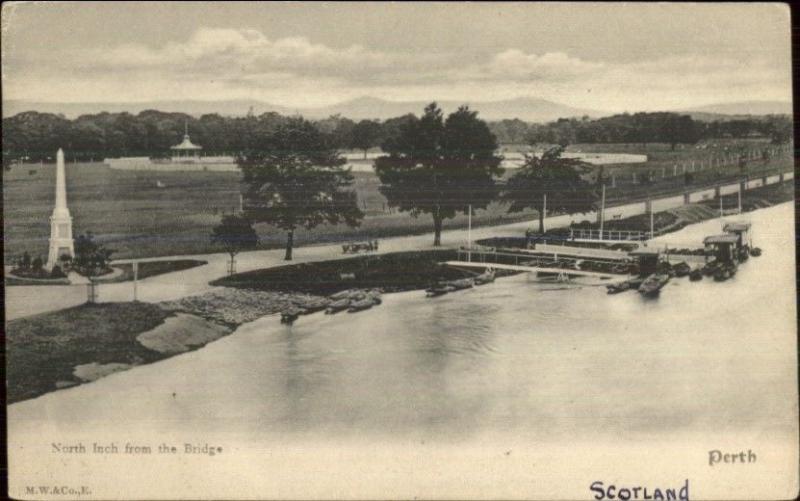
(674, 201)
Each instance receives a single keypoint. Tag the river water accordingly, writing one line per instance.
(512, 362)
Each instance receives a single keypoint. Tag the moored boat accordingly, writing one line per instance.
(485, 277)
(290, 315)
(463, 283)
(337, 306)
(361, 305)
(651, 286)
(439, 290)
(682, 269)
(618, 287)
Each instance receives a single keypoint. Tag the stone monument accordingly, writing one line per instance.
(61, 242)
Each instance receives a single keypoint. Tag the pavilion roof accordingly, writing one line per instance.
(186, 144)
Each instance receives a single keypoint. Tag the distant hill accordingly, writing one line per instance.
(528, 109)
(744, 108)
(192, 107)
(524, 108)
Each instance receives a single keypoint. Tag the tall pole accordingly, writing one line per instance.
(720, 205)
(469, 234)
(135, 280)
(544, 212)
(602, 209)
(740, 198)
(652, 225)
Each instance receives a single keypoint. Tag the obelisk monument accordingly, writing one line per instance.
(61, 242)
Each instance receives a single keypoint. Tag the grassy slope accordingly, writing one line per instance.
(44, 349)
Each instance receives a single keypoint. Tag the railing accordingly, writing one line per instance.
(615, 235)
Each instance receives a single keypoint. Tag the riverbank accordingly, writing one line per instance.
(78, 345)
(43, 351)
(88, 342)
(309, 287)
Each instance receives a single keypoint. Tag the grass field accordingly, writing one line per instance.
(131, 214)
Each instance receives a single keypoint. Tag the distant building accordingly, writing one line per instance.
(185, 156)
(186, 151)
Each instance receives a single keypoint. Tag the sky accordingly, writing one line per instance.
(604, 56)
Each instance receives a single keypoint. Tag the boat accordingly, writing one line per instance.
(345, 294)
(375, 296)
(710, 268)
(439, 290)
(651, 286)
(755, 251)
(485, 277)
(696, 274)
(618, 287)
(337, 306)
(721, 274)
(290, 315)
(361, 305)
(463, 283)
(744, 254)
(724, 272)
(625, 285)
(682, 269)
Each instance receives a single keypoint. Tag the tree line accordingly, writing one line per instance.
(643, 128)
(34, 136)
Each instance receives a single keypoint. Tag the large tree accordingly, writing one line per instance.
(294, 178)
(440, 167)
(553, 180)
(235, 234)
(365, 135)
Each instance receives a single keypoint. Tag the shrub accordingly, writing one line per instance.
(25, 262)
(37, 264)
(57, 272)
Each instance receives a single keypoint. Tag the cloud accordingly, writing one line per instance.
(225, 63)
(553, 66)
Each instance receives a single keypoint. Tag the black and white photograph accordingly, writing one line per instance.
(412, 250)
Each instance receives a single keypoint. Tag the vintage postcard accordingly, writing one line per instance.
(404, 250)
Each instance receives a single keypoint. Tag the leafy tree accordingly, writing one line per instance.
(558, 179)
(91, 257)
(294, 178)
(235, 234)
(365, 135)
(440, 167)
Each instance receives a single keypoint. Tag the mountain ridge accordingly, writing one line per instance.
(529, 109)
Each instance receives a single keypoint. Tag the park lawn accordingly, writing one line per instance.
(43, 350)
(153, 268)
(129, 213)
